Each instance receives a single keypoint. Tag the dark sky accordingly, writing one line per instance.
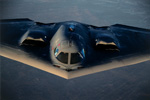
(22, 82)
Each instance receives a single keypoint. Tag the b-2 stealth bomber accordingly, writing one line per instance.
(71, 49)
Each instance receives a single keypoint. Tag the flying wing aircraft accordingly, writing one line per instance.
(71, 49)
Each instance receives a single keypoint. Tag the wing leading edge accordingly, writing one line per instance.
(35, 62)
(133, 44)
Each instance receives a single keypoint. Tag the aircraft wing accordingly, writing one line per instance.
(24, 57)
(15, 31)
(132, 45)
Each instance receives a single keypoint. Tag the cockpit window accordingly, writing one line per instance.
(75, 58)
(63, 57)
(83, 53)
(56, 51)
